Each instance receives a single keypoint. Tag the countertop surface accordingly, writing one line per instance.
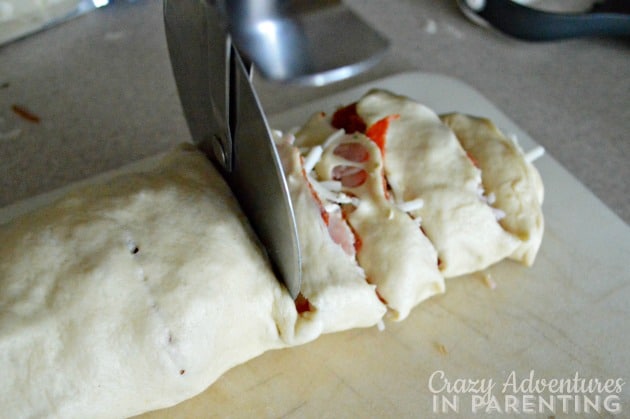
(102, 88)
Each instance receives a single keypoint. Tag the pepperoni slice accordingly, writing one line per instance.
(353, 152)
(341, 233)
(318, 201)
(350, 176)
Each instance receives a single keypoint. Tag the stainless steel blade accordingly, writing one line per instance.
(227, 122)
(197, 47)
(258, 180)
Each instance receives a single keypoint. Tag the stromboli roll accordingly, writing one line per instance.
(137, 294)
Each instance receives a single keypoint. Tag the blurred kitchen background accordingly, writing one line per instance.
(86, 86)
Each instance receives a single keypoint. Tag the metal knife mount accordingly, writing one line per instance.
(313, 42)
(308, 42)
(198, 45)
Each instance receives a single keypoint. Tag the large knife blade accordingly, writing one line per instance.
(258, 180)
(227, 122)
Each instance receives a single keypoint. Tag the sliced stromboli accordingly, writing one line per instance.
(424, 160)
(335, 287)
(512, 182)
(137, 294)
(394, 252)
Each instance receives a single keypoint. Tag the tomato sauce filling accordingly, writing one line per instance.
(358, 243)
(302, 304)
(380, 297)
(472, 160)
(377, 132)
(348, 118)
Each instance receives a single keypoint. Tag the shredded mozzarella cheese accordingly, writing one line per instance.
(487, 279)
(531, 155)
(481, 192)
(312, 158)
(408, 206)
(280, 137)
(331, 207)
(331, 185)
(498, 214)
(333, 137)
(276, 134)
(328, 195)
(534, 154)
(380, 325)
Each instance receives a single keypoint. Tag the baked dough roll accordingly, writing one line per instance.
(137, 294)
(133, 295)
(394, 252)
(335, 292)
(512, 183)
(424, 160)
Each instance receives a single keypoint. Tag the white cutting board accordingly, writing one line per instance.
(567, 314)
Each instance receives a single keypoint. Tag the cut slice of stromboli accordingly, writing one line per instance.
(424, 160)
(512, 182)
(333, 284)
(394, 252)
